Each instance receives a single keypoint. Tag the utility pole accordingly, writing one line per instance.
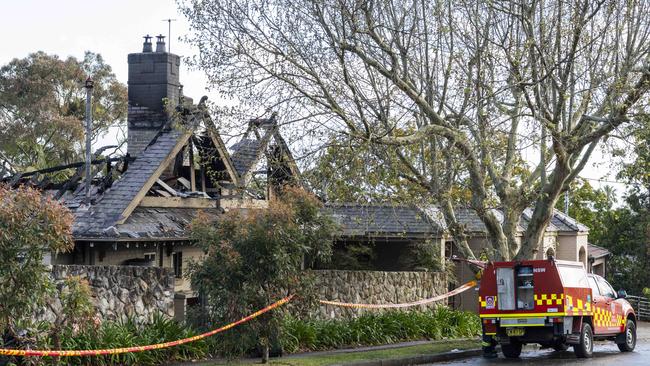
(169, 32)
(89, 127)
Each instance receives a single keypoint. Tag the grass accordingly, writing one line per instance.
(342, 358)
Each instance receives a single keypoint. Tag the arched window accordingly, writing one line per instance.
(582, 256)
(550, 252)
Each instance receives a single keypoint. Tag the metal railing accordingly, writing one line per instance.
(641, 306)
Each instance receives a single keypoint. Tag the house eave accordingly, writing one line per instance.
(129, 239)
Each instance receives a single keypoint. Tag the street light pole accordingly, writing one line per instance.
(89, 126)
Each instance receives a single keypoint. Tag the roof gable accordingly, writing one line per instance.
(122, 198)
(253, 146)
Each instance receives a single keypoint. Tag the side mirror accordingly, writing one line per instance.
(622, 294)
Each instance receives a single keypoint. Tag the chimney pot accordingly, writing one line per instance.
(160, 44)
(146, 46)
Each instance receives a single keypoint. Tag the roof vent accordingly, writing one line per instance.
(146, 46)
(160, 44)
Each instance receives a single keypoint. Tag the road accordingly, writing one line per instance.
(605, 353)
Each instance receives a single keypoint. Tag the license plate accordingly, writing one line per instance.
(515, 332)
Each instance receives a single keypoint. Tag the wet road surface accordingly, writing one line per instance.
(605, 353)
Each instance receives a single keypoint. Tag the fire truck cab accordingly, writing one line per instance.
(554, 303)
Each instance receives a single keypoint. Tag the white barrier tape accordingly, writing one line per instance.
(456, 291)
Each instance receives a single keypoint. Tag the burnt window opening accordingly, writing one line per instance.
(177, 264)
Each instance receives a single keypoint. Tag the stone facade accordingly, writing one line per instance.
(120, 291)
(376, 288)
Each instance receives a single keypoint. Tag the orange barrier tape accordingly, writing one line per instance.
(114, 351)
(456, 291)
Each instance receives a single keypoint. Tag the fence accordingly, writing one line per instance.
(641, 305)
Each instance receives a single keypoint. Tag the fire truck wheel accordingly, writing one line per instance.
(585, 348)
(630, 337)
(511, 350)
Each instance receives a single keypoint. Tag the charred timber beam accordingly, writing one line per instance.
(67, 166)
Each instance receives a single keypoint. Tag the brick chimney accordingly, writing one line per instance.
(153, 78)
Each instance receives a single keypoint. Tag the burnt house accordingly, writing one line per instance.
(176, 165)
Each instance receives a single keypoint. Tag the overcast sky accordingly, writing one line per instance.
(111, 28)
(115, 28)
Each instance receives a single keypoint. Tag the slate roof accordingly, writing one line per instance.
(244, 154)
(528, 214)
(388, 220)
(359, 219)
(566, 223)
(559, 222)
(155, 222)
(597, 252)
(468, 217)
(108, 210)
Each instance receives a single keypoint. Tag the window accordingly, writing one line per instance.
(594, 288)
(449, 250)
(177, 264)
(573, 276)
(605, 288)
(150, 257)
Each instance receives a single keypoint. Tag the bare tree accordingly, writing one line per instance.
(471, 82)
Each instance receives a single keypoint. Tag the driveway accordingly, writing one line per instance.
(605, 353)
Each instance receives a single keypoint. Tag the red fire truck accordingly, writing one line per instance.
(554, 303)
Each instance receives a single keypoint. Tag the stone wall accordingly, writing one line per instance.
(120, 291)
(376, 288)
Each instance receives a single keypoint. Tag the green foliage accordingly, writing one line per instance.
(127, 333)
(624, 230)
(362, 172)
(31, 225)
(255, 258)
(42, 106)
(590, 206)
(378, 328)
(77, 309)
(352, 256)
(426, 257)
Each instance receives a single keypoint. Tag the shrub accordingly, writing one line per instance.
(378, 328)
(31, 225)
(127, 333)
(256, 258)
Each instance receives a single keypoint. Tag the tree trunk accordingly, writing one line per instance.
(510, 229)
(495, 232)
(265, 350)
(544, 211)
(457, 232)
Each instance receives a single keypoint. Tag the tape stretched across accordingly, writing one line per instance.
(115, 351)
(456, 291)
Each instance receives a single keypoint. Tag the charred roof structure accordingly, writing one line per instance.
(176, 163)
